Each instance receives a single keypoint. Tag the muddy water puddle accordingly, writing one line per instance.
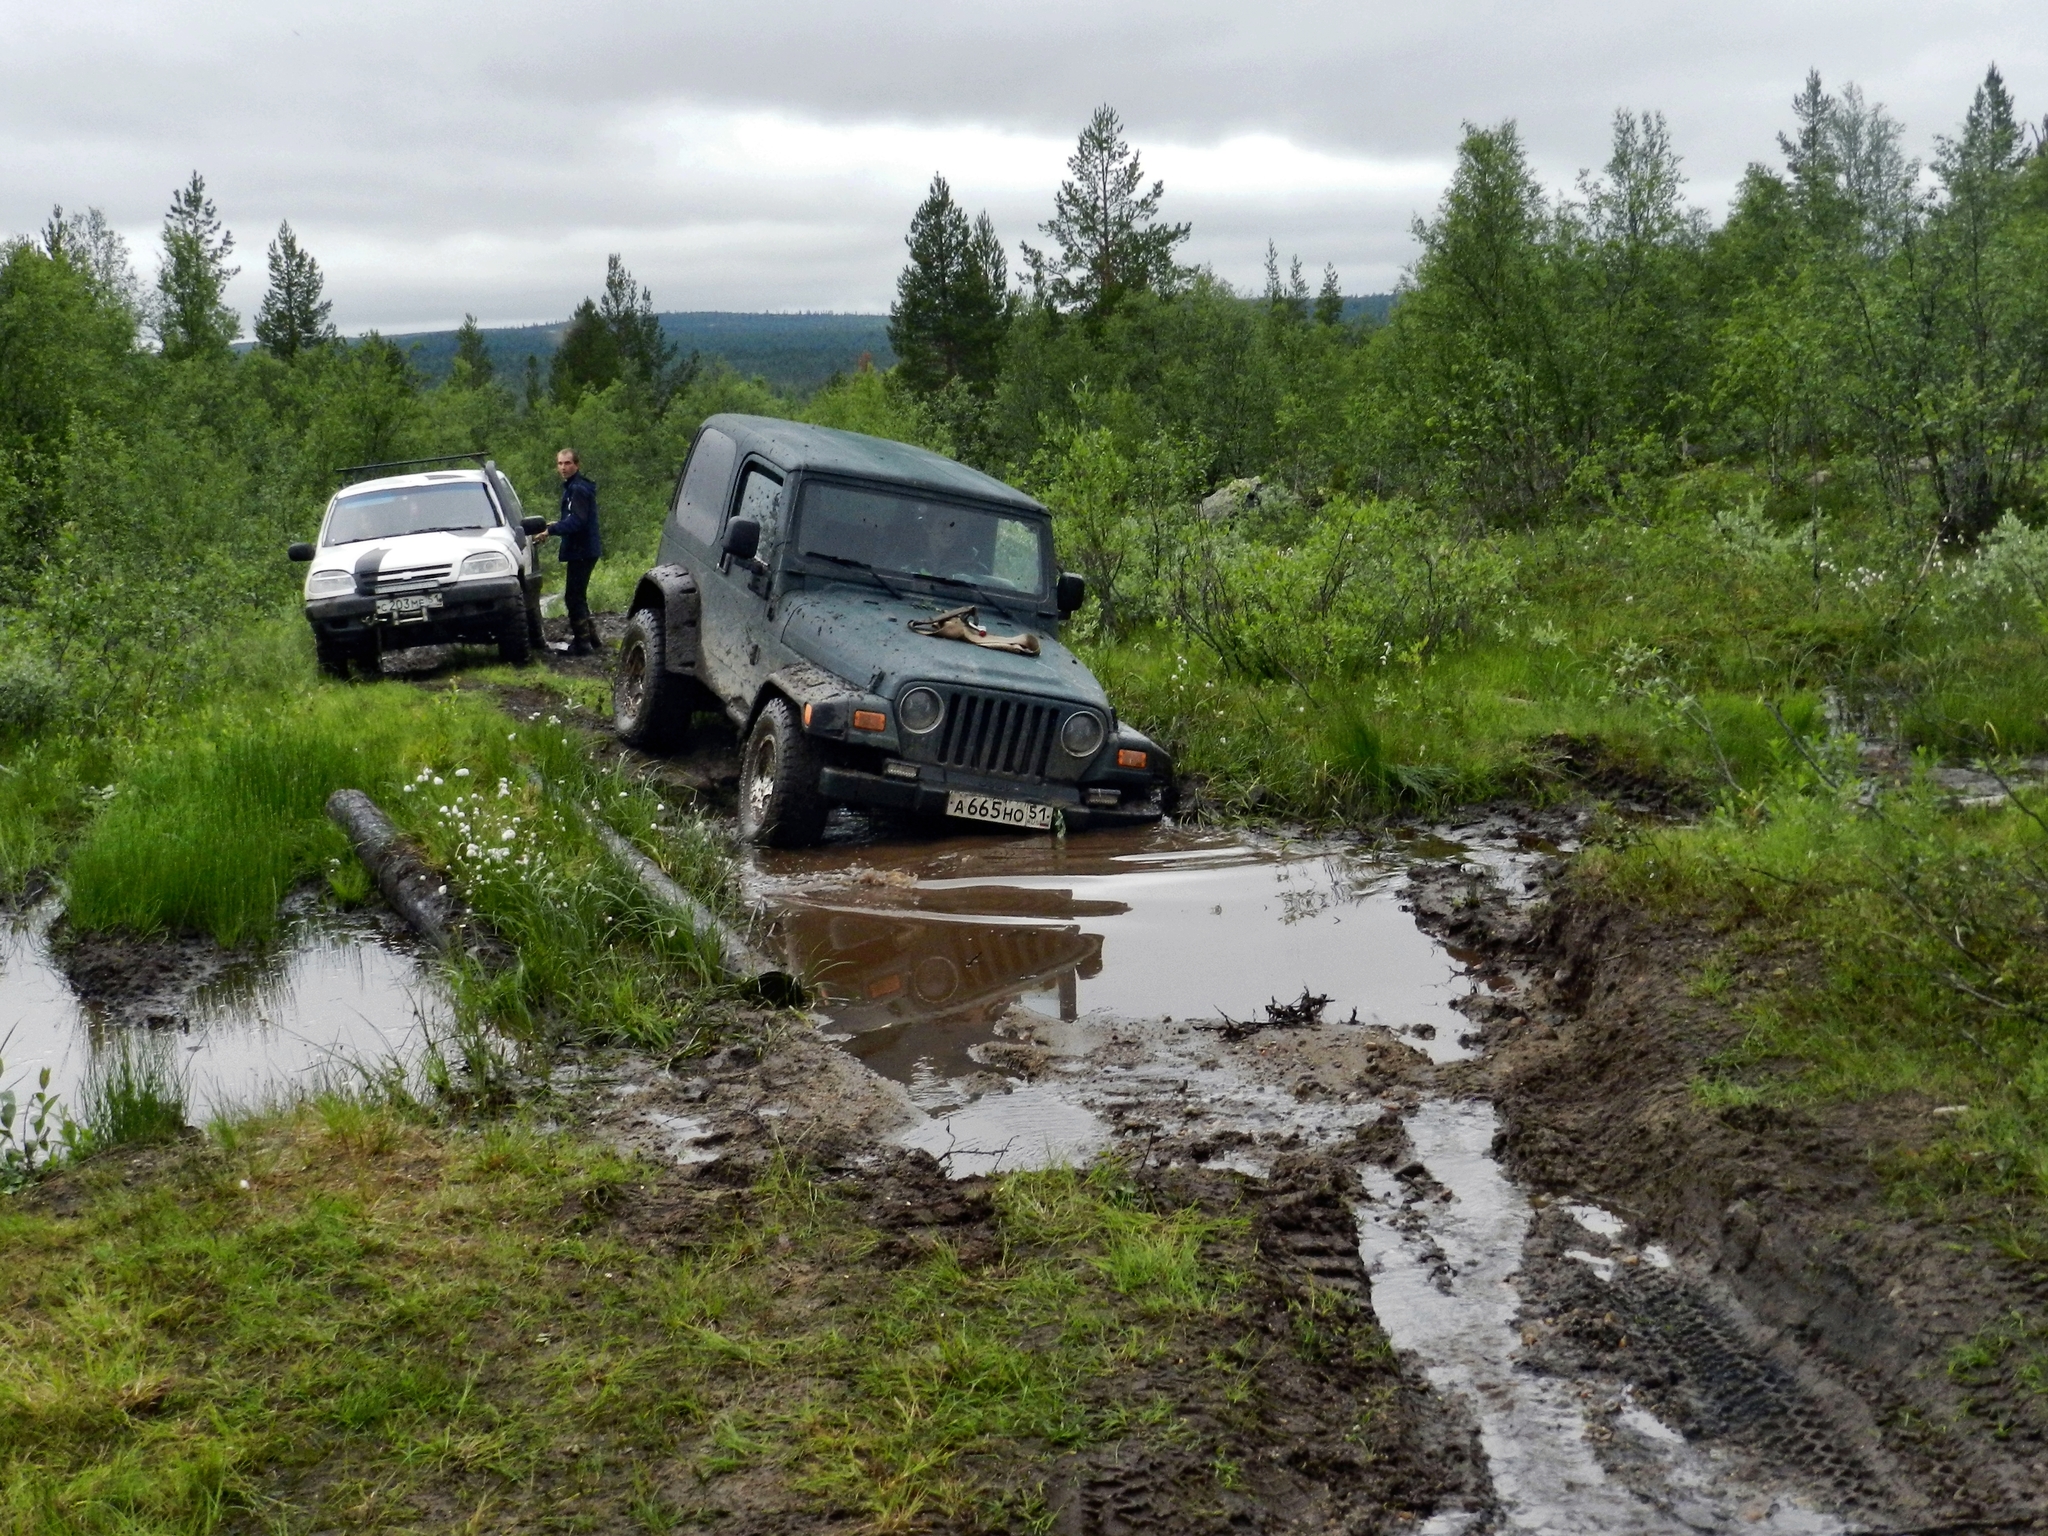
(1038, 998)
(917, 947)
(1041, 1002)
(334, 999)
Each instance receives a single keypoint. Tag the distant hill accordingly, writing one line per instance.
(792, 352)
(1376, 305)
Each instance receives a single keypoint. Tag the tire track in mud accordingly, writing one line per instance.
(1771, 1339)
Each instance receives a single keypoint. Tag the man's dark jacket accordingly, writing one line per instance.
(576, 527)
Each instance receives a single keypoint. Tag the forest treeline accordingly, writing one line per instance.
(1856, 321)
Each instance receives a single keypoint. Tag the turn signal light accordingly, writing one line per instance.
(870, 720)
(807, 717)
(1127, 758)
(886, 987)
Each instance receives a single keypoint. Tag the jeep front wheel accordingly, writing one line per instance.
(779, 801)
(650, 704)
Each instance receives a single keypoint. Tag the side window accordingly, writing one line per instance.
(700, 500)
(761, 499)
(508, 499)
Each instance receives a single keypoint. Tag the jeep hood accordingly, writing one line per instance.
(862, 635)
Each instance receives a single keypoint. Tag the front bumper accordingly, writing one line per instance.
(1140, 805)
(470, 611)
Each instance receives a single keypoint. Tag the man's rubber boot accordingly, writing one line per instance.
(584, 641)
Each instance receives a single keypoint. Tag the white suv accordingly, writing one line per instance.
(438, 557)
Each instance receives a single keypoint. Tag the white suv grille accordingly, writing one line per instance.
(409, 577)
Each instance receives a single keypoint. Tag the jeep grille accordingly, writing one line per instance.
(992, 733)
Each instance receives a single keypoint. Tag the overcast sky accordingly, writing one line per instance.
(445, 157)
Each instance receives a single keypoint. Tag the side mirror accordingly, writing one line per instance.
(1071, 589)
(533, 525)
(300, 552)
(742, 539)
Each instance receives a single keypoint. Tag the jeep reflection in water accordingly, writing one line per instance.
(439, 557)
(881, 623)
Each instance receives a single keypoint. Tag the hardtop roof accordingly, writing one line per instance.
(412, 481)
(796, 445)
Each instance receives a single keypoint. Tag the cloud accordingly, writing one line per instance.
(486, 157)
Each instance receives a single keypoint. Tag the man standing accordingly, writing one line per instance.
(576, 527)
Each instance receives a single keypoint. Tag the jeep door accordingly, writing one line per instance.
(696, 523)
(735, 597)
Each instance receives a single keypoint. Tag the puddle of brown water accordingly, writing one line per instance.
(918, 948)
(333, 998)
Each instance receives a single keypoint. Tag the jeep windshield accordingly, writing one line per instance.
(464, 507)
(900, 533)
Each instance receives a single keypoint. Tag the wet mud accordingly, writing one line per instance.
(998, 1002)
(1331, 1434)
(1792, 1319)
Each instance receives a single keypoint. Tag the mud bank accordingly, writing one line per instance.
(1799, 1321)
(1315, 1427)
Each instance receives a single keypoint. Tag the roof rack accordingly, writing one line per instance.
(445, 458)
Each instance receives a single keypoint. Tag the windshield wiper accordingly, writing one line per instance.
(857, 565)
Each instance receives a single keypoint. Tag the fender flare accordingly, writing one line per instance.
(671, 591)
(802, 684)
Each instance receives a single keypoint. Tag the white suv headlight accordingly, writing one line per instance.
(486, 562)
(330, 583)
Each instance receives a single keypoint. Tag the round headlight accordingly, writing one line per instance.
(1082, 734)
(487, 562)
(920, 710)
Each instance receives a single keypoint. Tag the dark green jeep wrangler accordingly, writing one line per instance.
(881, 624)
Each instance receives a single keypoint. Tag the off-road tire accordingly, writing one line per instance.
(513, 649)
(333, 656)
(651, 706)
(536, 637)
(780, 806)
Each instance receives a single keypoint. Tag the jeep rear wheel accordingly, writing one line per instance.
(650, 704)
(780, 806)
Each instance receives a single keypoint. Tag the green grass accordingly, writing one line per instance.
(133, 1093)
(343, 1318)
(222, 814)
(1894, 950)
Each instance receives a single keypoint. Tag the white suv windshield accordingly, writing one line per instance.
(911, 535)
(459, 508)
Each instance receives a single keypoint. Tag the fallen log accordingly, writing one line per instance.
(416, 890)
(737, 958)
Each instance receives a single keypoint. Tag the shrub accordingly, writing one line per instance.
(1370, 583)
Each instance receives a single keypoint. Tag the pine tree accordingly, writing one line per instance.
(192, 316)
(293, 317)
(1329, 299)
(473, 367)
(627, 312)
(530, 389)
(952, 301)
(1286, 302)
(587, 359)
(1108, 244)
